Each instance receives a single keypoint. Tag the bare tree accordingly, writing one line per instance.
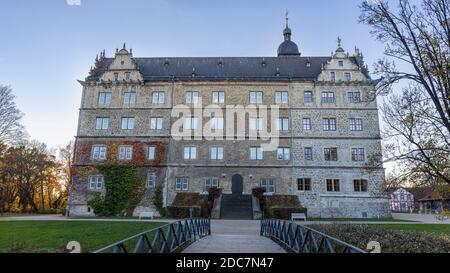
(10, 116)
(418, 120)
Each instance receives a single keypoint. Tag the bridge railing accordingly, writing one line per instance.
(300, 239)
(168, 238)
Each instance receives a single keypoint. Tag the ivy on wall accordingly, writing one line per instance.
(158, 200)
(124, 189)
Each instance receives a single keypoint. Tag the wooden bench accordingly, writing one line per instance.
(146, 215)
(298, 216)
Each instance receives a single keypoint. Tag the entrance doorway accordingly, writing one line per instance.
(237, 184)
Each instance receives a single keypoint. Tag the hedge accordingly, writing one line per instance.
(284, 213)
(182, 212)
(282, 206)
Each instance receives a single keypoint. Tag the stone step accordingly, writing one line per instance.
(236, 207)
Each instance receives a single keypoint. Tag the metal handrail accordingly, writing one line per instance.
(168, 238)
(300, 239)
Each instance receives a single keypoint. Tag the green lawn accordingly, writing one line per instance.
(53, 236)
(359, 220)
(20, 214)
(431, 228)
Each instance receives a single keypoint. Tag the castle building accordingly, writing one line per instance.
(328, 143)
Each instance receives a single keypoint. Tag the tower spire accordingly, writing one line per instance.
(287, 31)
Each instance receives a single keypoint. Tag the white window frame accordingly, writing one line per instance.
(307, 124)
(98, 152)
(269, 184)
(129, 123)
(127, 76)
(125, 152)
(218, 97)
(192, 97)
(96, 182)
(256, 97)
(216, 152)
(329, 124)
(308, 99)
(347, 76)
(281, 97)
(191, 123)
(158, 97)
(284, 154)
(256, 124)
(129, 98)
(190, 153)
(104, 98)
(102, 123)
(256, 153)
(354, 97)
(182, 184)
(150, 181)
(328, 97)
(217, 123)
(308, 156)
(156, 123)
(151, 152)
(358, 154)
(331, 157)
(283, 124)
(332, 76)
(211, 182)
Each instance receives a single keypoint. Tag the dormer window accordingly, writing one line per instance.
(127, 76)
(341, 63)
(116, 76)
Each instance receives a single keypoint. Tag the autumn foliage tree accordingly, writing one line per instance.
(417, 119)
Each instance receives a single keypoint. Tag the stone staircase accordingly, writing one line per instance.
(236, 207)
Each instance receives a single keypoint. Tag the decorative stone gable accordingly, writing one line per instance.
(122, 65)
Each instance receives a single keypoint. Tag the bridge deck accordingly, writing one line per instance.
(235, 237)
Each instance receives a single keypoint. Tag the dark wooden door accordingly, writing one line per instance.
(237, 184)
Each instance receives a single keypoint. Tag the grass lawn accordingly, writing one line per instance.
(53, 236)
(20, 214)
(359, 220)
(430, 228)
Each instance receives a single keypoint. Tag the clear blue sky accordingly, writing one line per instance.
(46, 45)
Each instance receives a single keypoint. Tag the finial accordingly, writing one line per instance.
(124, 46)
(287, 18)
(339, 41)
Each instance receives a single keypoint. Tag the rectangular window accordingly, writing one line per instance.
(347, 76)
(218, 97)
(360, 185)
(158, 97)
(151, 153)
(333, 185)
(308, 153)
(256, 97)
(333, 76)
(341, 63)
(216, 153)
(191, 123)
(95, 183)
(151, 179)
(353, 97)
(284, 154)
(308, 97)
(304, 184)
(190, 152)
(256, 124)
(283, 124)
(104, 98)
(256, 153)
(358, 154)
(127, 123)
(129, 99)
(156, 123)
(307, 124)
(281, 97)
(192, 97)
(268, 184)
(356, 124)
(127, 76)
(217, 123)
(331, 154)
(327, 97)
(102, 124)
(329, 124)
(210, 183)
(98, 152)
(182, 184)
(125, 152)
(116, 76)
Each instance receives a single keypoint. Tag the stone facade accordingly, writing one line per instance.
(292, 74)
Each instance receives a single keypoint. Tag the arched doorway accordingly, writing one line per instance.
(237, 184)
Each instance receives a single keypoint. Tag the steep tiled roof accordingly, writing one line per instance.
(216, 68)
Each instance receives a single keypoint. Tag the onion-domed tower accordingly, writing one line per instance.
(288, 47)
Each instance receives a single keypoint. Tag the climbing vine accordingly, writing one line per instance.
(158, 200)
(124, 189)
